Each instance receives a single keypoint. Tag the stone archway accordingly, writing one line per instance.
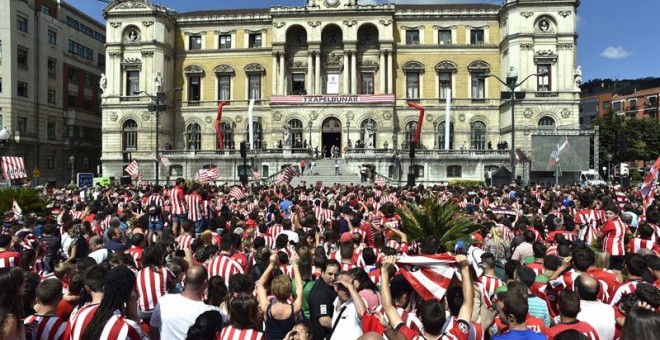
(330, 135)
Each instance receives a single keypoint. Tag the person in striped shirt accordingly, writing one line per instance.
(44, 324)
(613, 233)
(113, 319)
(195, 209)
(177, 200)
(153, 280)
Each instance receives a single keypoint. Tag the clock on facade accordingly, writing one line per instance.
(331, 3)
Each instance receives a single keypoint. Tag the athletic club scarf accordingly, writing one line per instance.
(429, 275)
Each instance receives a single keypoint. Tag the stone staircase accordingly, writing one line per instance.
(325, 172)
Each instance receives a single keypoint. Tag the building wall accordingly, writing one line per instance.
(512, 38)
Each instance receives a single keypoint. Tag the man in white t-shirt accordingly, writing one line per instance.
(349, 308)
(175, 313)
(98, 252)
(592, 311)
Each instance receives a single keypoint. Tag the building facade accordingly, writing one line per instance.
(51, 59)
(335, 73)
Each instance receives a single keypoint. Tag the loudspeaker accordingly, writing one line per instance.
(411, 180)
(623, 143)
(125, 180)
(412, 149)
(243, 150)
(243, 179)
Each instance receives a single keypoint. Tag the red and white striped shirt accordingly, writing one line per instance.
(184, 240)
(269, 240)
(409, 319)
(636, 244)
(79, 321)
(9, 259)
(194, 203)
(589, 221)
(177, 198)
(231, 333)
(136, 253)
(116, 328)
(490, 285)
(157, 200)
(275, 230)
(224, 266)
(48, 327)
(625, 288)
(152, 285)
(614, 242)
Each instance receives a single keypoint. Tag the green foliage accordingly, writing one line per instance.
(635, 176)
(28, 199)
(466, 183)
(444, 220)
(643, 136)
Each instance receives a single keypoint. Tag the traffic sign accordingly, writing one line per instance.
(85, 179)
(36, 173)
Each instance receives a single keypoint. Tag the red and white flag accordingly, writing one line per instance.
(205, 175)
(429, 275)
(237, 193)
(556, 155)
(165, 161)
(288, 174)
(18, 212)
(650, 179)
(380, 181)
(133, 169)
(256, 175)
(13, 167)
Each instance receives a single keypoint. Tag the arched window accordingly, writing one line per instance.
(129, 135)
(441, 136)
(194, 74)
(546, 122)
(194, 136)
(368, 130)
(227, 135)
(296, 133)
(478, 135)
(411, 128)
(258, 135)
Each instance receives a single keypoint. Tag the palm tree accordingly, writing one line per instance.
(443, 220)
(28, 199)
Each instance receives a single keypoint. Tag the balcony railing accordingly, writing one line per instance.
(454, 101)
(546, 94)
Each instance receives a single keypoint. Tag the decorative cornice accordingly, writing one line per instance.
(565, 13)
(526, 14)
(248, 31)
(314, 23)
(419, 27)
(526, 46)
(565, 46)
(134, 60)
(147, 53)
(438, 27)
(279, 24)
(224, 32)
(147, 23)
(350, 23)
(114, 54)
(385, 22)
(131, 5)
(194, 33)
(115, 24)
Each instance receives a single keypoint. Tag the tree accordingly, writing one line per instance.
(444, 220)
(641, 136)
(28, 199)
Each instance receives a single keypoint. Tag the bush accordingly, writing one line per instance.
(28, 199)
(466, 183)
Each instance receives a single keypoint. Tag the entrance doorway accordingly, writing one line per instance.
(330, 136)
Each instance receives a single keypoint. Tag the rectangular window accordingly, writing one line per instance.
(544, 84)
(52, 67)
(50, 162)
(52, 37)
(412, 37)
(478, 85)
(224, 87)
(254, 86)
(194, 88)
(255, 40)
(632, 104)
(298, 84)
(444, 37)
(21, 124)
(21, 23)
(100, 60)
(195, 42)
(22, 89)
(22, 57)
(73, 75)
(132, 82)
(412, 85)
(72, 101)
(87, 104)
(0, 84)
(52, 96)
(225, 41)
(45, 9)
(88, 80)
(607, 105)
(476, 37)
(367, 83)
(51, 128)
(81, 50)
(617, 106)
(444, 79)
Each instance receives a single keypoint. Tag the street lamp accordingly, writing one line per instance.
(157, 108)
(511, 84)
(309, 144)
(72, 162)
(609, 157)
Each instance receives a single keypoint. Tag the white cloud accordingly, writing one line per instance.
(613, 52)
(580, 21)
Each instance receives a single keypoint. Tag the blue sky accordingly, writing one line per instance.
(616, 38)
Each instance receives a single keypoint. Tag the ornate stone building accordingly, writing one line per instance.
(335, 73)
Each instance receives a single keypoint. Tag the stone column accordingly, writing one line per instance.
(282, 86)
(345, 71)
(275, 74)
(317, 75)
(310, 71)
(381, 73)
(354, 88)
(390, 71)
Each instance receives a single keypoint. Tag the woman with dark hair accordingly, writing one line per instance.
(206, 325)
(367, 288)
(641, 323)
(244, 321)
(153, 280)
(217, 291)
(114, 317)
(301, 331)
(11, 300)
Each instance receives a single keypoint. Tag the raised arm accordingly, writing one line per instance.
(297, 303)
(386, 294)
(262, 296)
(468, 293)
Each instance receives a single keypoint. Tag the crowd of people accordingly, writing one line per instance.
(201, 261)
